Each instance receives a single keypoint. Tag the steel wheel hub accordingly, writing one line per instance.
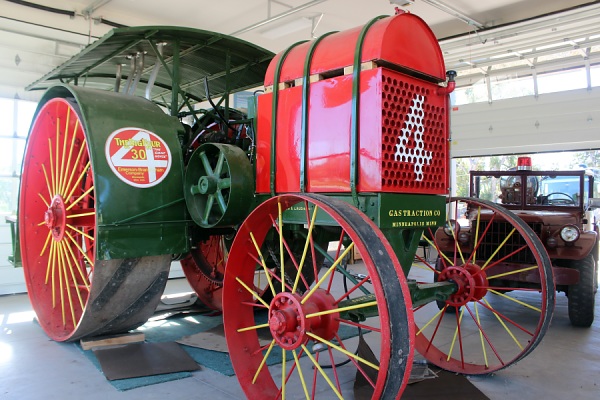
(55, 218)
(290, 320)
(471, 283)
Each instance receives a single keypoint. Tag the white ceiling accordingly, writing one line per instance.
(34, 41)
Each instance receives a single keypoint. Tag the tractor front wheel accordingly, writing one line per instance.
(311, 337)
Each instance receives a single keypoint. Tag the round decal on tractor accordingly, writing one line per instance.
(138, 157)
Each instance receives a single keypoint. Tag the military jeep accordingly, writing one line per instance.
(560, 208)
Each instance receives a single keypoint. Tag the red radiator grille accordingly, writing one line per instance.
(414, 143)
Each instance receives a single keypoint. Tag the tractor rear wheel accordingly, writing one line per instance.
(73, 293)
(305, 340)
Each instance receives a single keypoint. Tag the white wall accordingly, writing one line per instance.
(560, 121)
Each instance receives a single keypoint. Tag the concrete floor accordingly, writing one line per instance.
(565, 365)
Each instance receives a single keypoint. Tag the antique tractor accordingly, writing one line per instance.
(347, 150)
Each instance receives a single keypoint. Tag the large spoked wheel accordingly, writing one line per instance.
(204, 268)
(74, 294)
(305, 341)
(504, 295)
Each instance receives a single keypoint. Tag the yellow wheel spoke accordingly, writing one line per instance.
(441, 254)
(67, 286)
(80, 232)
(60, 287)
(80, 198)
(300, 374)
(481, 336)
(329, 271)
(264, 360)
(515, 300)
(263, 264)
(79, 154)
(63, 185)
(306, 244)
(52, 179)
(430, 321)
(49, 266)
(455, 333)
(420, 266)
(316, 364)
(72, 273)
(47, 183)
(517, 271)
(455, 241)
(503, 324)
(44, 200)
(476, 235)
(254, 327)
(81, 215)
(76, 262)
(283, 373)
(281, 258)
(44, 248)
(342, 350)
(62, 171)
(78, 181)
(56, 177)
(80, 249)
(335, 310)
(498, 249)
(251, 292)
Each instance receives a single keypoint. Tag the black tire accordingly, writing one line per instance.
(582, 295)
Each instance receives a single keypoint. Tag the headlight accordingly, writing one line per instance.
(452, 228)
(569, 233)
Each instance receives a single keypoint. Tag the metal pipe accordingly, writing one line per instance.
(132, 66)
(454, 12)
(118, 76)
(138, 73)
(154, 74)
(277, 17)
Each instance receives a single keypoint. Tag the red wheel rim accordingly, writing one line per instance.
(57, 218)
(204, 268)
(504, 292)
(291, 316)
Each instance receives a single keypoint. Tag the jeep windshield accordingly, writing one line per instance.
(526, 189)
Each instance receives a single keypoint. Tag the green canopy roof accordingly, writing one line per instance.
(229, 64)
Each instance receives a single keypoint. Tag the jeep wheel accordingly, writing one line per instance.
(581, 295)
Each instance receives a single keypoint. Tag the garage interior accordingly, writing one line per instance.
(527, 82)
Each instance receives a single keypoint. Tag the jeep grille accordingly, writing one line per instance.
(498, 233)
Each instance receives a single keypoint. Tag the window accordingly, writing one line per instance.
(15, 118)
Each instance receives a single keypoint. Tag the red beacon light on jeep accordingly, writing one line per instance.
(524, 163)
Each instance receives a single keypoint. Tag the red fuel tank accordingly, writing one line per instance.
(388, 122)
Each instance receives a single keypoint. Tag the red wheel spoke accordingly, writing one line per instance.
(356, 324)
(509, 288)
(478, 243)
(504, 317)
(334, 369)
(349, 292)
(488, 266)
(484, 334)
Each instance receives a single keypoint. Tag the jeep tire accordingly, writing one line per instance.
(582, 294)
